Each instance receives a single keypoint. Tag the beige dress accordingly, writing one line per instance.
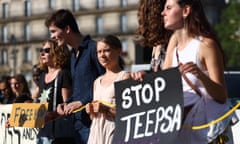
(102, 129)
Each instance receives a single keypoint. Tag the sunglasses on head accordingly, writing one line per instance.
(45, 50)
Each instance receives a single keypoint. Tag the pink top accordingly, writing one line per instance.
(102, 129)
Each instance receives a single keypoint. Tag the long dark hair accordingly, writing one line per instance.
(197, 23)
(20, 78)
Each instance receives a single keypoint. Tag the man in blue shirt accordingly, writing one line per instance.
(85, 68)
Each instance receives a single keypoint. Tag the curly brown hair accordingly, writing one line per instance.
(151, 27)
(60, 54)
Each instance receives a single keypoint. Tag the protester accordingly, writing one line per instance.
(85, 68)
(20, 88)
(199, 56)
(6, 91)
(151, 33)
(36, 72)
(103, 116)
(54, 87)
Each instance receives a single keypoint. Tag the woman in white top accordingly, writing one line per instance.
(199, 56)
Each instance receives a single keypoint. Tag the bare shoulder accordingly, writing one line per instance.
(208, 42)
(126, 75)
(211, 55)
(172, 42)
(170, 50)
(209, 47)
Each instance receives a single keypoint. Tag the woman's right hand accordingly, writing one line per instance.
(138, 75)
(60, 109)
(89, 108)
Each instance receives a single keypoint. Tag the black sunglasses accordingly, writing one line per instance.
(45, 50)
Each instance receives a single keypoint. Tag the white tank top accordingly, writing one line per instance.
(190, 54)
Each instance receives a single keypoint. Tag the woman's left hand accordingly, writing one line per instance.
(190, 67)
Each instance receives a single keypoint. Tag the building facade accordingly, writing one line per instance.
(23, 30)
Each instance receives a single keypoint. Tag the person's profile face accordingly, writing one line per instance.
(57, 34)
(36, 75)
(172, 15)
(3, 89)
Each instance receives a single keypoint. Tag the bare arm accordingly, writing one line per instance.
(212, 60)
(66, 93)
(35, 94)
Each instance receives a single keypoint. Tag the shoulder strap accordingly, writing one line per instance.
(55, 94)
(55, 91)
(122, 75)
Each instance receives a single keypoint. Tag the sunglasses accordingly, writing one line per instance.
(45, 50)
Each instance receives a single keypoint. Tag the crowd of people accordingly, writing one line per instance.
(180, 36)
(14, 89)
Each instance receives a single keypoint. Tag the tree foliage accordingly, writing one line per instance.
(228, 31)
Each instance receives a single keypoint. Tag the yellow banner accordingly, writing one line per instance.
(29, 115)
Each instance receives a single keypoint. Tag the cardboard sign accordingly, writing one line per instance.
(15, 135)
(29, 115)
(149, 111)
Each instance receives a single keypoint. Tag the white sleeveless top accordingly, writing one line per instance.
(190, 54)
(205, 109)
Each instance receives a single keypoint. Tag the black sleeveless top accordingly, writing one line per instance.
(46, 90)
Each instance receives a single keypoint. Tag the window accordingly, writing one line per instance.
(26, 32)
(99, 25)
(51, 4)
(99, 4)
(76, 5)
(4, 33)
(27, 57)
(38, 51)
(123, 23)
(28, 77)
(4, 57)
(5, 10)
(124, 47)
(27, 4)
(124, 3)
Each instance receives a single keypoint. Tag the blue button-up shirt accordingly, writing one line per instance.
(84, 69)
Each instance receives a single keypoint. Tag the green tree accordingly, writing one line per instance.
(228, 31)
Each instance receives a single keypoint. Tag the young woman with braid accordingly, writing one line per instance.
(103, 116)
